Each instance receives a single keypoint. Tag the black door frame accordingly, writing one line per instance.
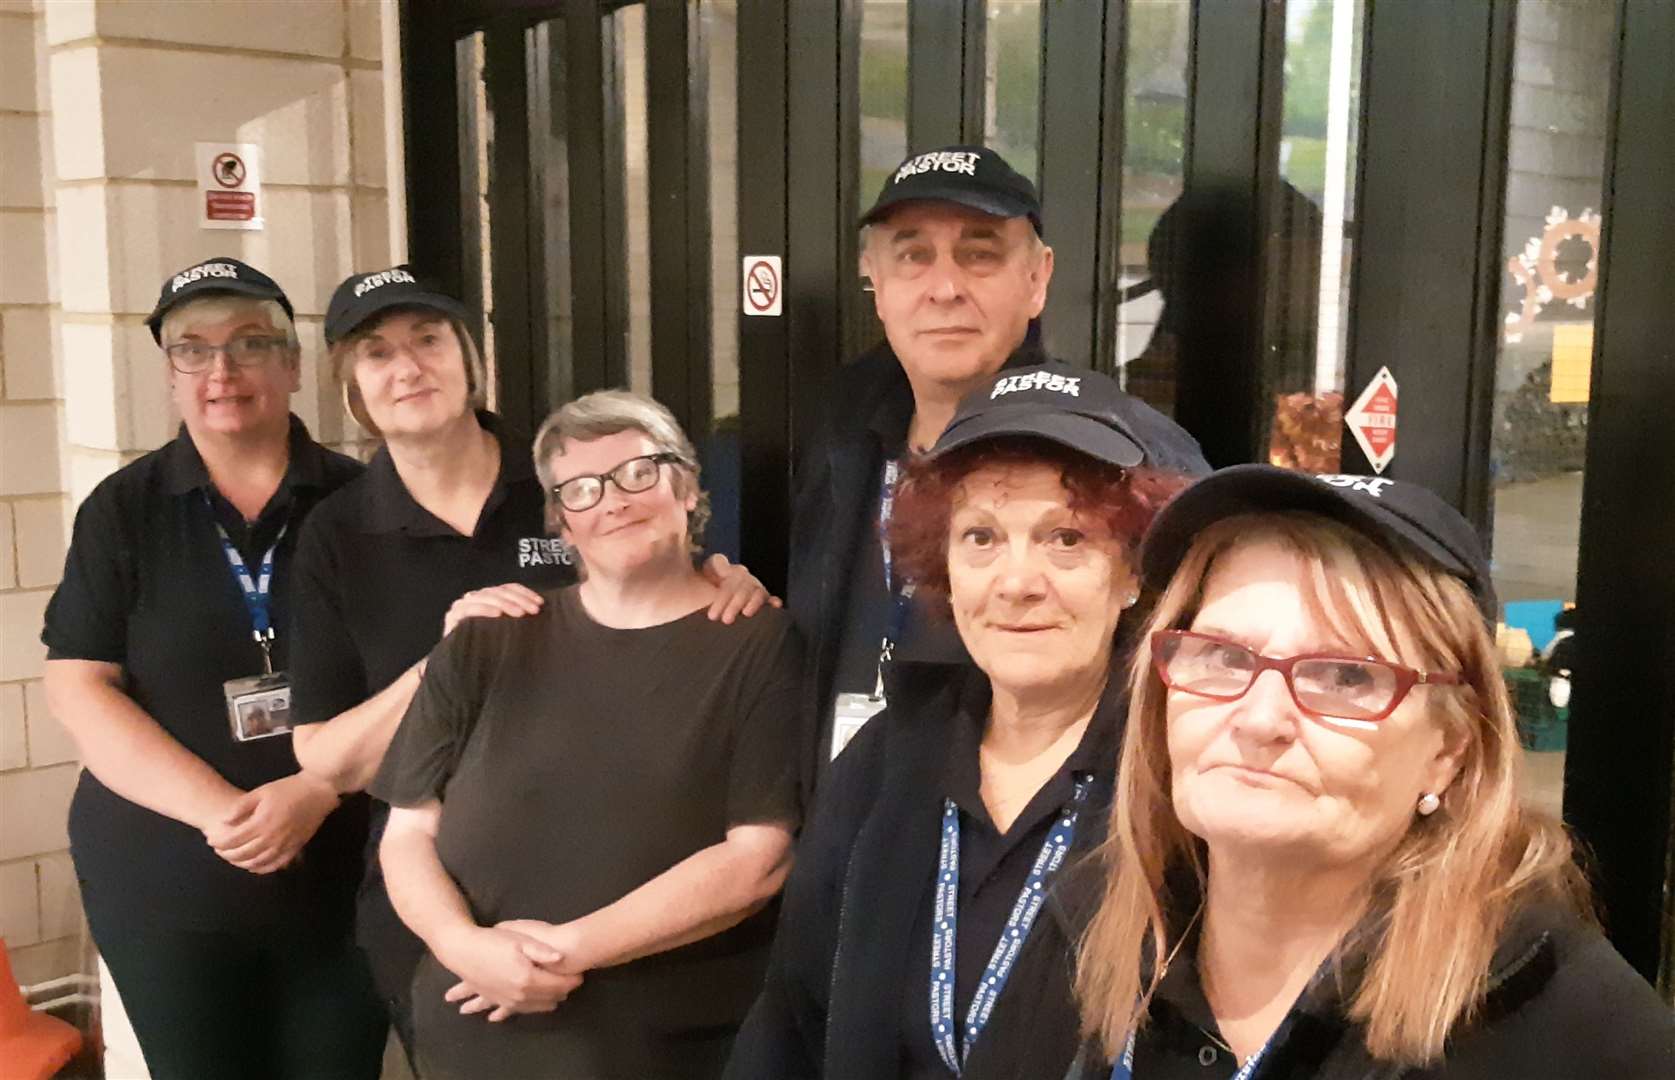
(1423, 288)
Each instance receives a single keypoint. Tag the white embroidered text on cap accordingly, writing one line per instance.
(954, 161)
(198, 273)
(382, 278)
(1373, 486)
(1040, 380)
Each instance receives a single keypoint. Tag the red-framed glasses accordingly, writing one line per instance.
(1340, 687)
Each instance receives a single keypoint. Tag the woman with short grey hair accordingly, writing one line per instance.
(592, 805)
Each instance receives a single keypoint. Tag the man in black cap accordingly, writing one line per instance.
(953, 250)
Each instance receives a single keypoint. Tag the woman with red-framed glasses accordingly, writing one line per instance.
(1318, 863)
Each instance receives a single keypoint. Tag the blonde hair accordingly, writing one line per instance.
(1442, 897)
(343, 363)
(608, 412)
(221, 306)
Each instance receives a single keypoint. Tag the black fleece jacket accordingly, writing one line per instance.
(831, 1004)
(1563, 1006)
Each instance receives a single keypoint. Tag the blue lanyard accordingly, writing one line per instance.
(1124, 1069)
(255, 590)
(945, 916)
(900, 601)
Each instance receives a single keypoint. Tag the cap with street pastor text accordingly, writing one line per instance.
(1398, 514)
(220, 274)
(1075, 407)
(973, 176)
(363, 295)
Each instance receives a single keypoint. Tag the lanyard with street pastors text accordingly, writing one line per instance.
(258, 706)
(945, 919)
(853, 710)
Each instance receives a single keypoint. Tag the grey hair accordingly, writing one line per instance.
(217, 307)
(608, 412)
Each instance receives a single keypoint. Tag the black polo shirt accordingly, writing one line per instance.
(146, 586)
(993, 868)
(376, 572)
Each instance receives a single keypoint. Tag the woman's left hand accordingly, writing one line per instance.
(741, 593)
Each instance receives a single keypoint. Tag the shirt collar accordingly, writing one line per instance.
(184, 471)
(392, 508)
(1096, 753)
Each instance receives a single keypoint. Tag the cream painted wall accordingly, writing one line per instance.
(100, 104)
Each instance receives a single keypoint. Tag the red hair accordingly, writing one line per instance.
(1123, 500)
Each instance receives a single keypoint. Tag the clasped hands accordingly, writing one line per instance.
(263, 829)
(517, 966)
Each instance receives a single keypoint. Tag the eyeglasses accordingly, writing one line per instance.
(193, 357)
(634, 475)
(1342, 687)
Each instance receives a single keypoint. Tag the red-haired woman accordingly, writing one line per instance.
(917, 937)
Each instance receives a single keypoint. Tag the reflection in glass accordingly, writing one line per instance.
(549, 149)
(1012, 83)
(1310, 224)
(720, 450)
(883, 93)
(1561, 62)
(720, 29)
(1153, 171)
(630, 38)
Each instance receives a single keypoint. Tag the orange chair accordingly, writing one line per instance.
(33, 1045)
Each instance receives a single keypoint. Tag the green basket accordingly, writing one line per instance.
(1541, 724)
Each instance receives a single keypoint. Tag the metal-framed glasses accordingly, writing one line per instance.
(634, 475)
(193, 357)
(1338, 687)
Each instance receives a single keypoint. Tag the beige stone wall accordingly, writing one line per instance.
(40, 915)
(101, 102)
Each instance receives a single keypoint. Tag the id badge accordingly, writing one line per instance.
(850, 715)
(258, 706)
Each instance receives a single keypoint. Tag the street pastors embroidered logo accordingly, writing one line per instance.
(201, 271)
(1040, 380)
(542, 551)
(382, 278)
(1371, 485)
(954, 161)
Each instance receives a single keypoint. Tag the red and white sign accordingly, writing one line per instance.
(1372, 420)
(762, 292)
(229, 185)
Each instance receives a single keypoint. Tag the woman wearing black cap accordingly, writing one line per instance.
(217, 879)
(447, 523)
(921, 935)
(1329, 872)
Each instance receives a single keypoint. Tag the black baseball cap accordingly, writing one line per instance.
(973, 176)
(363, 295)
(1395, 513)
(221, 274)
(1076, 407)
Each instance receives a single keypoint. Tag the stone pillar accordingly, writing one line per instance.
(40, 915)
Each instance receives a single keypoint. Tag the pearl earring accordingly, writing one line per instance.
(1428, 804)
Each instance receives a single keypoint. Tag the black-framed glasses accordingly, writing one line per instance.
(635, 475)
(193, 357)
(1340, 687)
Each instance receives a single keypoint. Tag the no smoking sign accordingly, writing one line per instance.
(762, 292)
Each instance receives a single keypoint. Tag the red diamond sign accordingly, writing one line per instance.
(1372, 420)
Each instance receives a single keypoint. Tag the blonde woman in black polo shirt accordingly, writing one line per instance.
(447, 523)
(217, 879)
(593, 804)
